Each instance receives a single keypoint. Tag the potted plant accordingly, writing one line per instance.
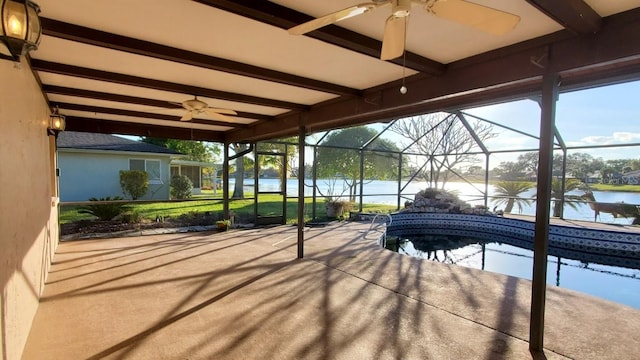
(223, 225)
(336, 207)
(333, 202)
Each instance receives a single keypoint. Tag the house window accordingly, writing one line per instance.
(152, 167)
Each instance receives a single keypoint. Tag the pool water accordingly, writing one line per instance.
(618, 284)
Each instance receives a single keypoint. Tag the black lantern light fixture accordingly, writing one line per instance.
(57, 123)
(20, 27)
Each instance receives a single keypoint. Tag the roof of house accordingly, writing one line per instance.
(105, 142)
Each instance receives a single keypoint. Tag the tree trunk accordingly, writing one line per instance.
(557, 208)
(238, 189)
(509, 206)
(352, 190)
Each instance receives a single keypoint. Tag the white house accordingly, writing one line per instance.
(90, 165)
(631, 177)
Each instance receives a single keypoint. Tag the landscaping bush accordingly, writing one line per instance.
(105, 212)
(196, 218)
(181, 187)
(134, 183)
(131, 217)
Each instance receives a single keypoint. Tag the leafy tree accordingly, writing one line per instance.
(105, 212)
(135, 183)
(345, 164)
(276, 161)
(529, 161)
(195, 150)
(616, 164)
(634, 164)
(181, 187)
(606, 173)
(445, 137)
(510, 194)
(475, 170)
(581, 164)
(510, 170)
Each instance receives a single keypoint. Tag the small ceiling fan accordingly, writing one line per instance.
(194, 107)
(393, 42)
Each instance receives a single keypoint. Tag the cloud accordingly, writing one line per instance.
(621, 137)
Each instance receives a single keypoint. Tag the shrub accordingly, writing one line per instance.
(131, 217)
(134, 183)
(195, 218)
(181, 187)
(105, 212)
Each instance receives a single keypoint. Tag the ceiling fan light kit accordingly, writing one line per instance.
(473, 15)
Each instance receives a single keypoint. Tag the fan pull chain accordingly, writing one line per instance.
(403, 88)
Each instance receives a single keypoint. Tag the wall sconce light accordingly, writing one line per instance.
(57, 123)
(20, 28)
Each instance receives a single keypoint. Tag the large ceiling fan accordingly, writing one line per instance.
(194, 107)
(393, 42)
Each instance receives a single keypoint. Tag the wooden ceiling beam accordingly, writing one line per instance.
(83, 124)
(100, 75)
(90, 94)
(90, 36)
(285, 18)
(139, 114)
(574, 15)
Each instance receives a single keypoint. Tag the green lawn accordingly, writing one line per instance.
(268, 205)
(610, 187)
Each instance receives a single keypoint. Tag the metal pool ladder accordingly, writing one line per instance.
(382, 240)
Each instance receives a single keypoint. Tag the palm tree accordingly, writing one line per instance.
(509, 192)
(557, 195)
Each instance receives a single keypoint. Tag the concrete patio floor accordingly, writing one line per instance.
(244, 295)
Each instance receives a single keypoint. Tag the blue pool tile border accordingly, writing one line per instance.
(610, 247)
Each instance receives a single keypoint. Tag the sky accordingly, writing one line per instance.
(598, 116)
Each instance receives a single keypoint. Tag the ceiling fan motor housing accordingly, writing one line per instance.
(194, 104)
(401, 8)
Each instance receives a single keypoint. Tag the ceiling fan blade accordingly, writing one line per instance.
(394, 37)
(334, 17)
(219, 117)
(220, 111)
(480, 17)
(187, 116)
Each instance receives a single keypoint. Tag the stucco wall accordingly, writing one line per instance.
(86, 175)
(28, 221)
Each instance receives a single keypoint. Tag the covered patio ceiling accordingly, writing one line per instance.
(124, 66)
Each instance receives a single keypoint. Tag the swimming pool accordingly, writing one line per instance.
(511, 255)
